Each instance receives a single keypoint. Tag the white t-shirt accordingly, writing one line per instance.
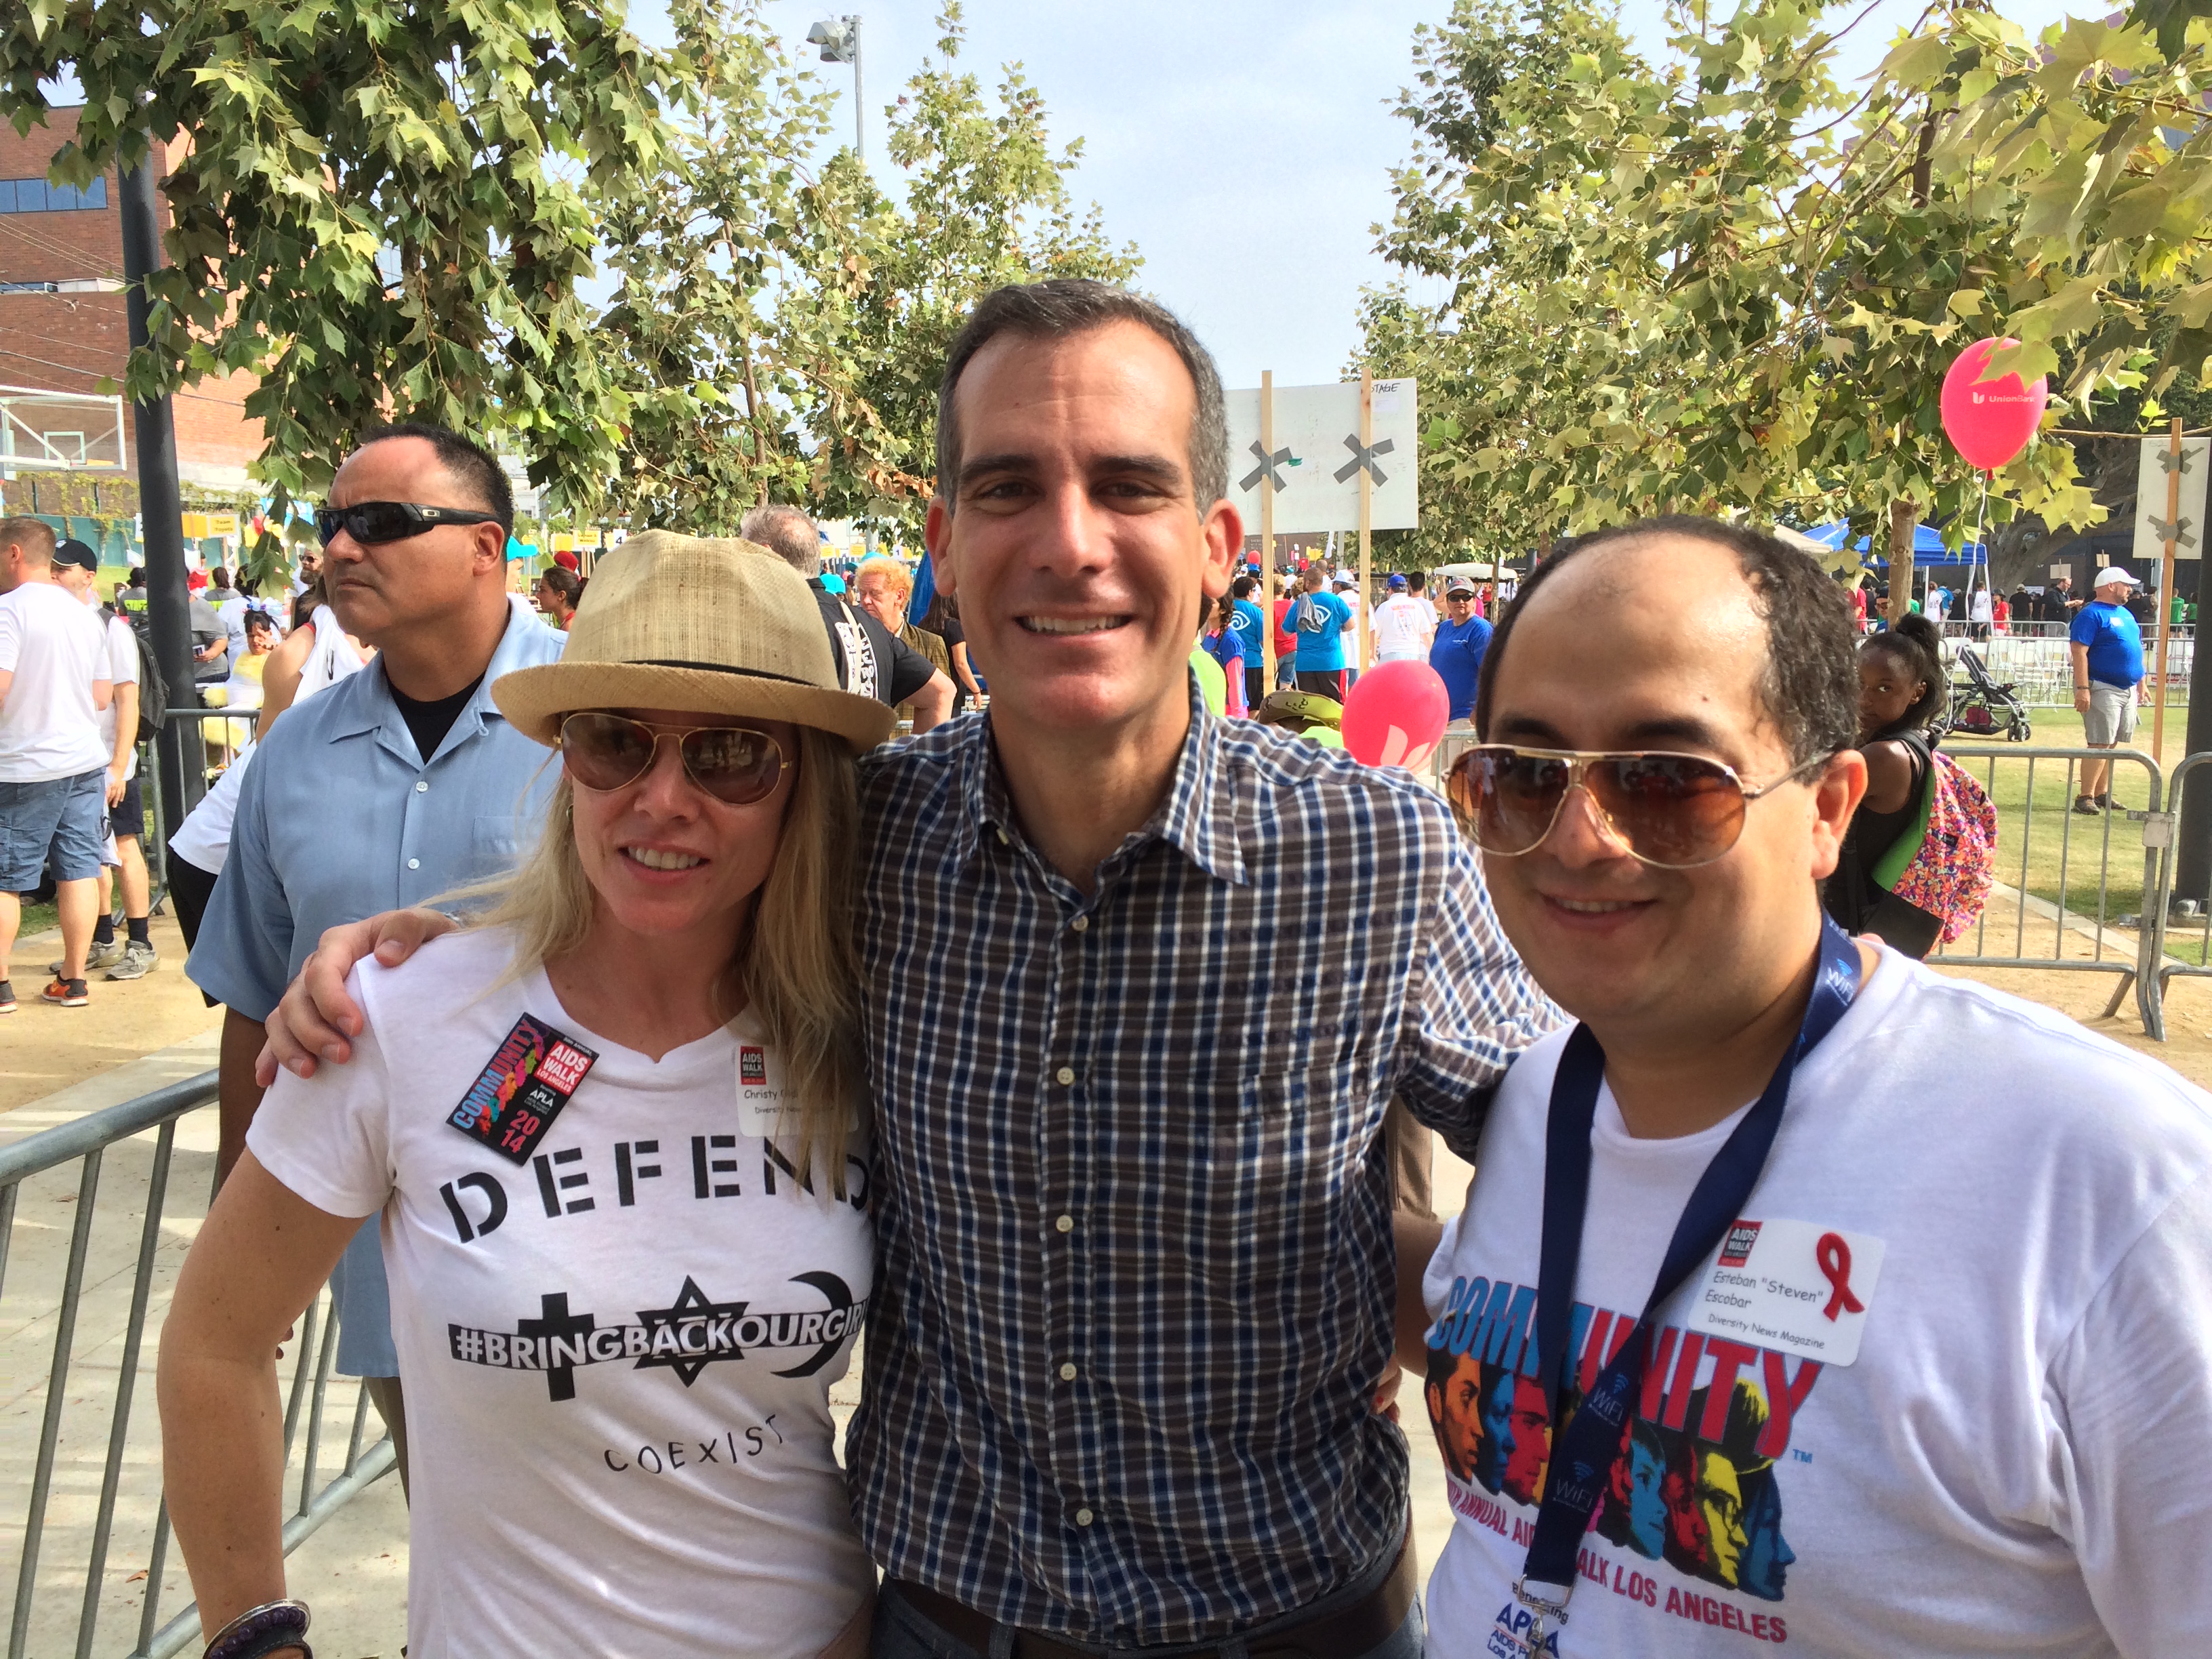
(1404, 626)
(55, 648)
(1978, 607)
(122, 669)
(2018, 1460)
(617, 1354)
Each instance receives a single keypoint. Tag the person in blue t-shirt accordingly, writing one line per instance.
(1456, 654)
(1319, 619)
(1251, 627)
(2108, 666)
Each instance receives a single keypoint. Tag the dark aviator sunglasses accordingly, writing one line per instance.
(371, 523)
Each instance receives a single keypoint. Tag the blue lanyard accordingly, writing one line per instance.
(1584, 1451)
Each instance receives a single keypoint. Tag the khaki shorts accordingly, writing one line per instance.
(2111, 717)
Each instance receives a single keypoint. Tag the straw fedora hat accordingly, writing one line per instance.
(707, 626)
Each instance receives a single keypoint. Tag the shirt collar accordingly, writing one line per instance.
(378, 711)
(1197, 818)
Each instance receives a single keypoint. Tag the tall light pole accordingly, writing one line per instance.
(839, 40)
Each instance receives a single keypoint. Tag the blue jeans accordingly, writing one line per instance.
(902, 1633)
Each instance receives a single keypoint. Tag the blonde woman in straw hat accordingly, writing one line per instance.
(612, 1129)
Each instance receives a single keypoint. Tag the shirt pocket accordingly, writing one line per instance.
(497, 842)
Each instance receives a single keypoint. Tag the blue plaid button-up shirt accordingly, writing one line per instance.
(1133, 1209)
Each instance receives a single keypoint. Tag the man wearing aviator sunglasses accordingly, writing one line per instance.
(1919, 1273)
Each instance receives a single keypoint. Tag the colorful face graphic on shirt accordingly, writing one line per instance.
(1529, 1429)
(1695, 1485)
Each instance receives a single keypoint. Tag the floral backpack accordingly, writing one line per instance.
(1943, 864)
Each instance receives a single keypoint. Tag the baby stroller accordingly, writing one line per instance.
(1980, 707)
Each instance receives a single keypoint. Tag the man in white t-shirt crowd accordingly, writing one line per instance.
(1405, 622)
(1936, 1373)
(76, 565)
(53, 767)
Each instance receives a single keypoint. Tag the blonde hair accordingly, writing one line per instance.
(795, 968)
(888, 565)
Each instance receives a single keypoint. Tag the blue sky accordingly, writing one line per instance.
(1245, 147)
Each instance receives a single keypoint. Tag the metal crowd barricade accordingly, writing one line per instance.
(2195, 936)
(129, 1517)
(2046, 922)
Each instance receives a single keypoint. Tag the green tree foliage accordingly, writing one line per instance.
(986, 203)
(1722, 282)
(783, 326)
(385, 208)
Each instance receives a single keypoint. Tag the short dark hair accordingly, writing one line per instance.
(1810, 686)
(1241, 588)
(472, 467)
(1066, 306)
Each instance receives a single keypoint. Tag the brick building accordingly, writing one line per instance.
(64, 330)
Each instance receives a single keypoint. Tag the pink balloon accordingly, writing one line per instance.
(1396, 715)
(1989, 422)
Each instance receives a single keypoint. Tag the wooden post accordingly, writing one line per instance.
(1366, 509)
(2166, 589)
(1267, 534)
(1904, 520)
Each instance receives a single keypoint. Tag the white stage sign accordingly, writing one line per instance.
(1314, 469)
(2150, 497)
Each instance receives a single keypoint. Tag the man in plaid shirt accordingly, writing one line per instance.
(1141, 985)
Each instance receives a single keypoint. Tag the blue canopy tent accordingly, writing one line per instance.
(1928, 547)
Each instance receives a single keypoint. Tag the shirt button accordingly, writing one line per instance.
(1066, 1224)
(1081, 924)
(1067, 1373)
(421, 788)
(1065, 1074)
(1083, 1517)
(414, 864)
(1005, 840)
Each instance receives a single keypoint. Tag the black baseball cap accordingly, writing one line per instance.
(70, 551)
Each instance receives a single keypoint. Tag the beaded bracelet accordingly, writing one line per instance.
(269, 1628)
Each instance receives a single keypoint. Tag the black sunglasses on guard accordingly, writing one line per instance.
(372, 522)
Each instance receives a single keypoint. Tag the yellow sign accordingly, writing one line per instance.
(195, 525)
(222, 524)
(563, 542)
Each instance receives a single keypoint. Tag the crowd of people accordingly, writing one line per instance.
(623, 1024)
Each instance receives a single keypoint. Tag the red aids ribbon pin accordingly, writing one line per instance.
(1835, 1258)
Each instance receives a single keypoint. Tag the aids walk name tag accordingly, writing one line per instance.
(1795, 1286)
(517, 1095)
(760, 1095)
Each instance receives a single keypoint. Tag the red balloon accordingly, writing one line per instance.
(1396, 714)
(1989, 422)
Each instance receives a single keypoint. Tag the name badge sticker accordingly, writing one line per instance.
(1796, 1286)
(760, 1094)
(517, 1096)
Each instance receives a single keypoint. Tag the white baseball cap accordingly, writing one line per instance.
(2113, 575)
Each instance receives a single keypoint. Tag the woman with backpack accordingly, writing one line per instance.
(1902, 687)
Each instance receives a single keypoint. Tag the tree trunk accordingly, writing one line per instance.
(1904, 520)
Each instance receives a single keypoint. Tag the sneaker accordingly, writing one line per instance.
(2087, 804)
(7, 997)
(96, 956)
(66, 992)
(138, 961)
